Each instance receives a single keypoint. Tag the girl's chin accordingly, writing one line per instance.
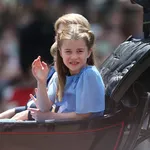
(73, 72)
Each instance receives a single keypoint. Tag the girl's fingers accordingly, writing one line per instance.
(37, 62)
(33, 62)
(33, 109)
(38, 58)
(33, 115)
(44, 64)
(32, 112)
(34, 99)
(35, 90)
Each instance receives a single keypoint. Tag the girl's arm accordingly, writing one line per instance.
(40, 72)
(43, 101)
(42, 116)
(69, 116)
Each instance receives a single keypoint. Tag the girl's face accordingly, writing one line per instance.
(74, 54)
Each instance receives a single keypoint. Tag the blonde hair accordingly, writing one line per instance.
(71, 18)
(75, 32)
(53, 49)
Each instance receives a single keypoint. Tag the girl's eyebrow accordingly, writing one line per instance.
(67, 49)
(81, 48)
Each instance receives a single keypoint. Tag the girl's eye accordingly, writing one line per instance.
(80, 51)
(68, 52)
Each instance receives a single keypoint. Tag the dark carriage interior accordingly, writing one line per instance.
(137, 90)
(125, 74)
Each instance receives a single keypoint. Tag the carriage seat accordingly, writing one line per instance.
(121, 63)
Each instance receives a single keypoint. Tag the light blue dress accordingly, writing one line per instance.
(83, 93)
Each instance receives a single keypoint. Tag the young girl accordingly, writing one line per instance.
(78, 90)
(61, 23)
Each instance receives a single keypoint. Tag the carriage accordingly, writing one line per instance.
(126, 120)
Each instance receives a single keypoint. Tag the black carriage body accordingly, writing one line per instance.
(126, 74)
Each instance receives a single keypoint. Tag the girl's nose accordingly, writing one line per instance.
(74, 56)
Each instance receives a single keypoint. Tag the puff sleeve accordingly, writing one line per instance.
(52, 88)
(90, 93)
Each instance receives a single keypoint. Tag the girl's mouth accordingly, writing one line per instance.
(74, 63)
